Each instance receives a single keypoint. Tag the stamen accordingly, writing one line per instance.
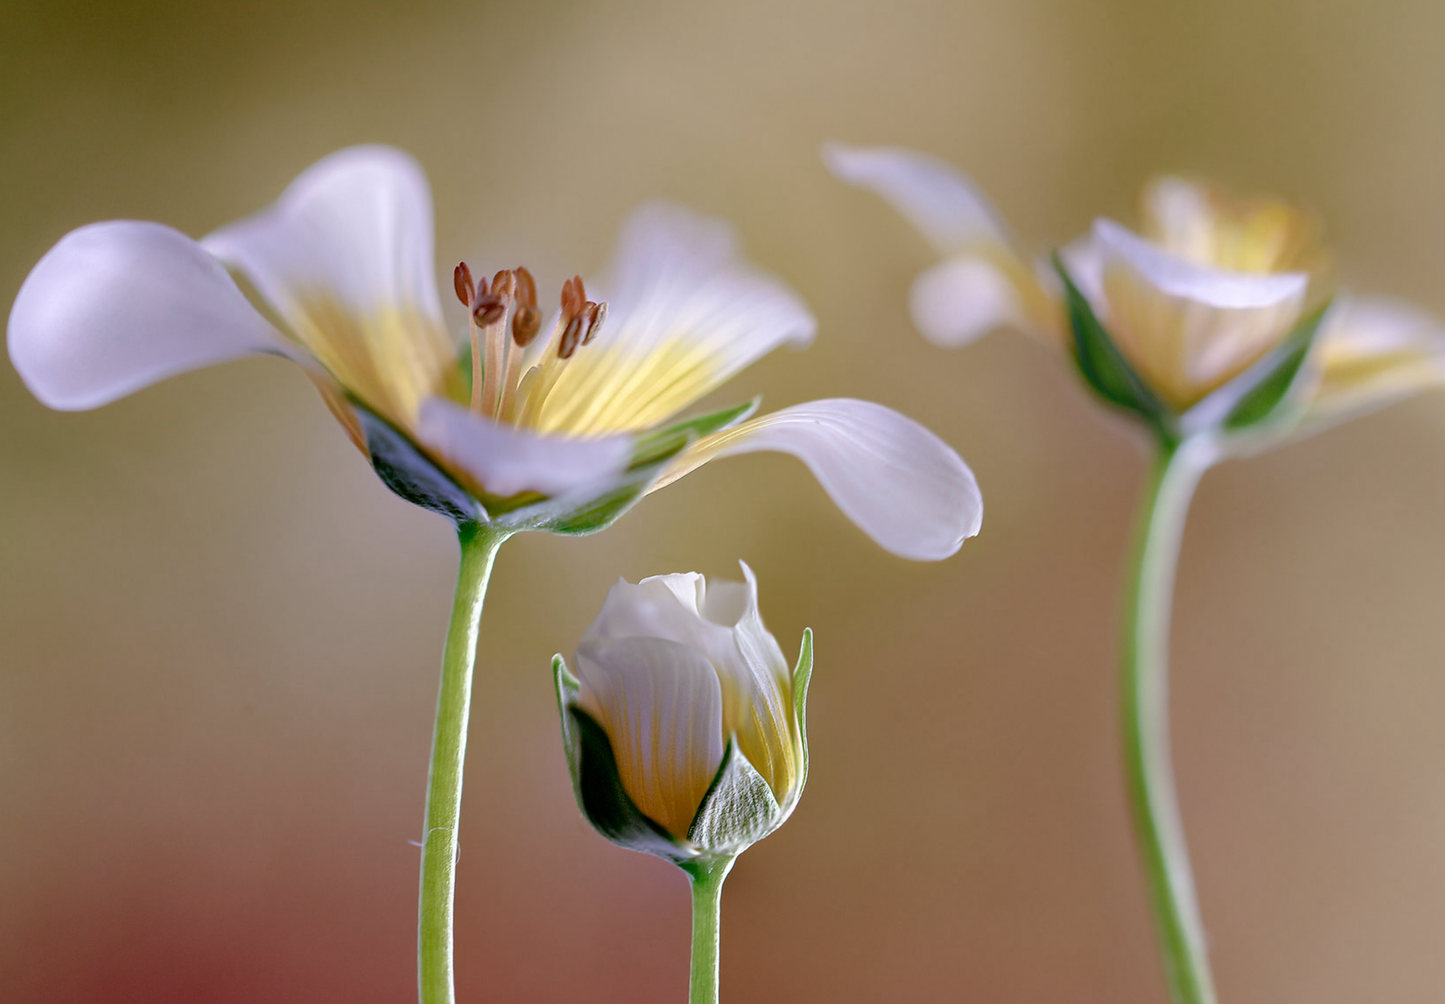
(494, 319)
(579, 323)
(470, 295)
(526, 322)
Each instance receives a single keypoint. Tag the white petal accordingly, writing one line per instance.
(961, 299)
(685, 314)
(505, 459)
(117, 306)
(901, 484)
(940, 201)
(661, 705)
(356, 224)
(345, 257)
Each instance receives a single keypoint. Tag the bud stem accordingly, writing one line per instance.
(707, 882)
(444, 784)
(1145, 717)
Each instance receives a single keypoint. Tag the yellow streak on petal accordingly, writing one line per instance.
(391, 359)
(613, 389)
(762, 720)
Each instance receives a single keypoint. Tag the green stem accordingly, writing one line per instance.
(1145, 694)
(707, 882)
(444, 782)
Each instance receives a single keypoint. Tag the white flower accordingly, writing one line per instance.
(683, 724)
(556, 423)
(1210, 287)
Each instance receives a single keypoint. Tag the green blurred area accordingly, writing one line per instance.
(219, 635)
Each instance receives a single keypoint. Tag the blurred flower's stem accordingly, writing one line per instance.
(1145, 714)
(444, 785)
(707, 883)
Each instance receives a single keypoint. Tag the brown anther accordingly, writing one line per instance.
(526, 287)
(462, 283)
(526, 322)
(574, 297)
(571, 338)
(595, 314)
(504, 283)
(489, 308)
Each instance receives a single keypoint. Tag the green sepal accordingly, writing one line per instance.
(1279, 372)
(413, 476)
(596, 782)
(802, 674)
(738, 810)
(665, 443)
(409, 472)
(577, 516)
(1104, 367)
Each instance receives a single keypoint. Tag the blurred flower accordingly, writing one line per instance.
(1210, 299)
(684, 727)
(536, 423)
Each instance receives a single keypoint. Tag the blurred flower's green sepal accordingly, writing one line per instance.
(1104, 367)
(738, 809)
(410, 473)
(1265, 387)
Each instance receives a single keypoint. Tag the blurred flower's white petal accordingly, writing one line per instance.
(1184, 279)
(1186, 327)
(661, 705)
(1373, 351)
(504, 459)
(901, 484)
(940, 201)
(1085, 266)
(685, 314)
(962, 299)
(116, 306)
(345, 258)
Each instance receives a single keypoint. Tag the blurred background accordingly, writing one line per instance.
(219, 635)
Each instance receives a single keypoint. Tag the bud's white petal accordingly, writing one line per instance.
(661, 706)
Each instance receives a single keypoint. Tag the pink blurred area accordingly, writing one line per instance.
(219, 635)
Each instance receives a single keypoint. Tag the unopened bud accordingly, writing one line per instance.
(709, 776)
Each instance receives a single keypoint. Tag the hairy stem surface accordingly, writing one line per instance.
(444, 782)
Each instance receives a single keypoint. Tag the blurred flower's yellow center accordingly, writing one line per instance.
(1207, 226)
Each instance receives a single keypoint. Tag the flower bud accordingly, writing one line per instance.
(683, 726)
